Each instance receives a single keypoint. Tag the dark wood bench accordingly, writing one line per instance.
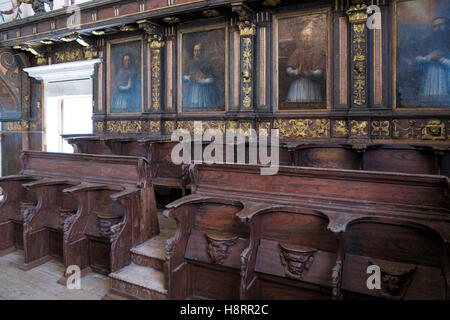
(158, 152)
(309, 233)
(91, 209)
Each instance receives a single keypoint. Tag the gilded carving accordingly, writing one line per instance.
(16, 125)
(156, 78)
(359, 128)
(247, 29)
(359, 69)
(358, 13)
(247, 72)
(245, 128)
(340, 128)
(233, 126)
(264, 128)
(380, 128)
(169, 126)
(154, 126)
(303, 128)
(214, 126)
(431, 129)
(99, 126)
(124, 127)
(297, 260)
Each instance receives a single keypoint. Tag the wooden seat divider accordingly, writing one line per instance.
(16, 201)
(92, 209)
(309, 233)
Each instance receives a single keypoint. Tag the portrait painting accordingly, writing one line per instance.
(125, 77)
(422, 54)
(302, 46)
(202, 70)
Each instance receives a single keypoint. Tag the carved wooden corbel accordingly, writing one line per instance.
(395, 278)
(297, 260)
(219, 246)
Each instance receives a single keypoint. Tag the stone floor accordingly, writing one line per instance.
(40, 283)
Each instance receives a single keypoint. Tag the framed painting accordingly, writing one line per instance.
(202, 69)
(421, 54)
(302, 61)
(125, 76)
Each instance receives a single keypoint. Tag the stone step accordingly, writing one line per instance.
(151, 253)
(137, 282)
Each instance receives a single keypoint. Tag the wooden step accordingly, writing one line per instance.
(137, 282)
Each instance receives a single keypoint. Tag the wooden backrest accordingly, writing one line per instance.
(354, 190)
(85, 167)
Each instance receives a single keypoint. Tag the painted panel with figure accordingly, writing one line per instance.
(202, 70)
(125, 76)
(422, 54)
(302, 51)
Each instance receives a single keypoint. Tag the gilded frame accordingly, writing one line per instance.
(108, 74)
(180, 34)
(275, 47)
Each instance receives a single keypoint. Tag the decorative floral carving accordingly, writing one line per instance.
(99, 126)
(169, 126)
(154, 126)
(219, 246)
(297, 260)
(340, 128)
(359, 128)
(421, 129)
(123, 126)
(303, 128)
(381, 128)
(247, 62)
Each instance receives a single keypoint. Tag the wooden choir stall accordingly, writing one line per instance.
(89, 209)
(309, 233)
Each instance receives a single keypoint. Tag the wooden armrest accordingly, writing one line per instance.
(196, 198)
(17, 177)
(125, 193)
(88, 187)
(252, 209)
(46, 182)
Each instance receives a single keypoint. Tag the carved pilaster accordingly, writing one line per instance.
(156, 46)
(357, 15)
(247, 36)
